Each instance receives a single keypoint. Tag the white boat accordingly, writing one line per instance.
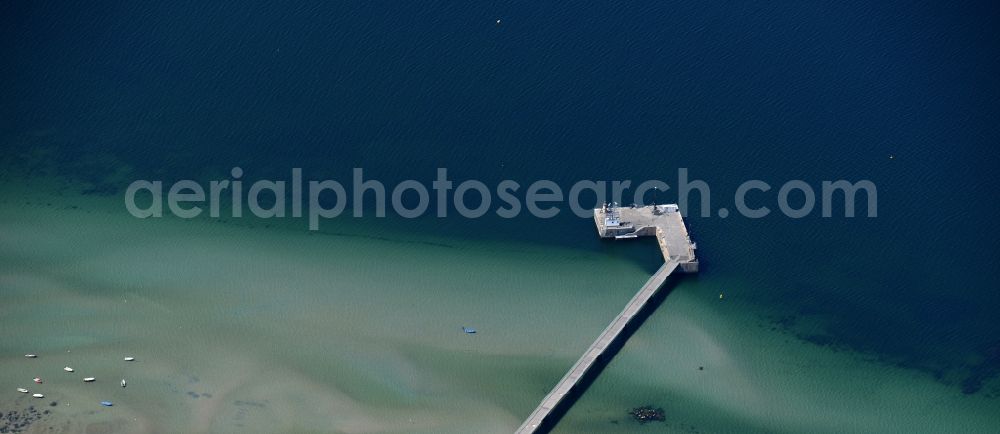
(89, 380)
(22, 390)
(68, 369)
(38, 395)
(123, 382)
(31, 356)
(130, 359)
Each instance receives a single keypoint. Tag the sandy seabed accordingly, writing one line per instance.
(241, 328)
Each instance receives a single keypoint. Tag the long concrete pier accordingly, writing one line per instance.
(664, 222)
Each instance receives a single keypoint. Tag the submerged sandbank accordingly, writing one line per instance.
(275, 329)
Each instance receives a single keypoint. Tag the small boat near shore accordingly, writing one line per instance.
(38, 395)
(130, 359)
(68, 369)
(31, 356)
(89, 380)
(123, 382)
(37, 380)
(469, 330)
(106, 403)
(22, 390)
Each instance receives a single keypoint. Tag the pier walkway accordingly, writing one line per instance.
(667, 225)
(596, 350)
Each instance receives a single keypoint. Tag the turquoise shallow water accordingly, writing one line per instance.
(263, 329)
(323, 332)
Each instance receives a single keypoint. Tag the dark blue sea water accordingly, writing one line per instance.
(110, 92)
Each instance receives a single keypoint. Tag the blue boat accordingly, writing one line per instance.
(106, 403)
(469, 330)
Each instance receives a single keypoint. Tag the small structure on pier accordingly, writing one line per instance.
(662, 221)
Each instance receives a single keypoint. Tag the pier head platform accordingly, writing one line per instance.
(667, 225)
(662, 221)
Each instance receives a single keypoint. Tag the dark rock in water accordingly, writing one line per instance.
(648, 414)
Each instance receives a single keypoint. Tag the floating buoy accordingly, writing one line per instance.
(68, 369)
(89, 380)
(38, 395)
(37, 380)
(22, 390)
(130, 359)
(31, 356)
(106, 403)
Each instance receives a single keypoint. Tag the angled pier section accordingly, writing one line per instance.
(666, 224)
